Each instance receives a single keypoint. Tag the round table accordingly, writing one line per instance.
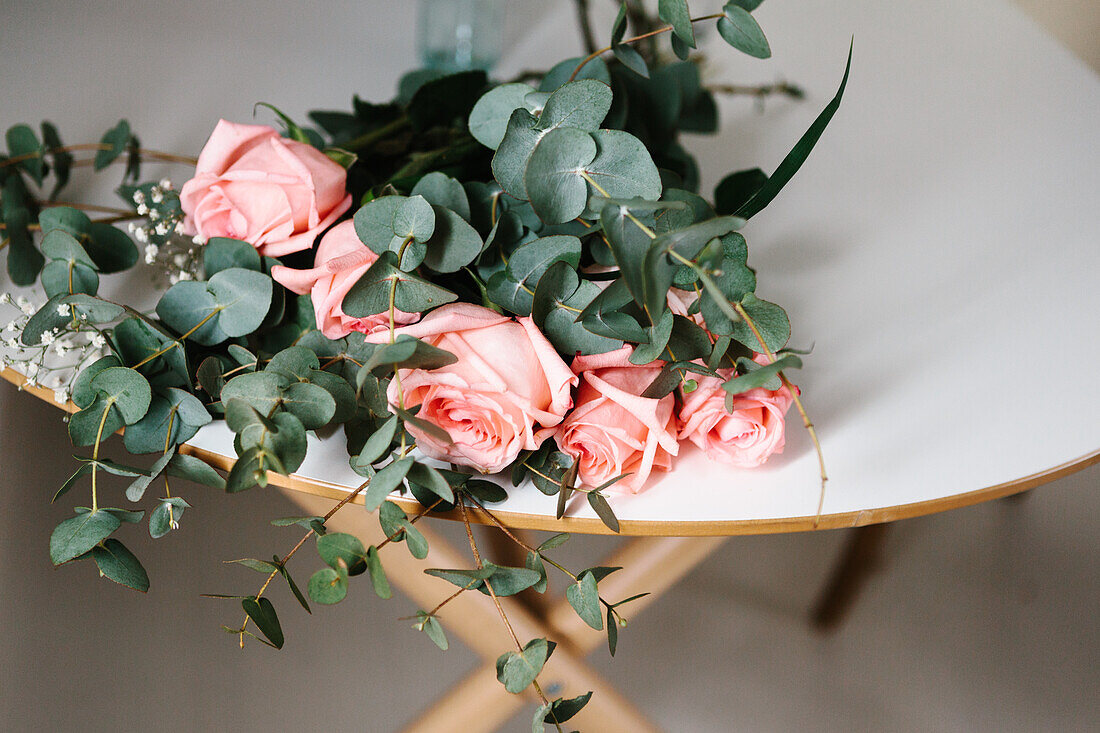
(938, 250)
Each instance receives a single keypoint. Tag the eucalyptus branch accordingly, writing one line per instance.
(496, 602)
(782, 88)
(634, 39)
(144, 152)
(105, 220)
(798, 403)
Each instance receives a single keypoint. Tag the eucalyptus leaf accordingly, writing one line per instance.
(740, 30)
(117, 563)
(75, 536)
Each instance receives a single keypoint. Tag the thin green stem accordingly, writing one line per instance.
(634, 39)
(95, 451)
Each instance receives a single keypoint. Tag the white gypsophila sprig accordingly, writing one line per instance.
(60, 353)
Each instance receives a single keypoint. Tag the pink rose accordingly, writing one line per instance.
(744, 437)
(613, 430)
(253, 185)
(506, 393)
(340, 261)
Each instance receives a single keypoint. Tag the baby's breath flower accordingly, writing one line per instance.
(98, 341)
(142, 209)
(185, 275)
(165, 184)
(60, 396)
(139, 197)
(63, 310)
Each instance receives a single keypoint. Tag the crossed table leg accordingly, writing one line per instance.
(480, 702)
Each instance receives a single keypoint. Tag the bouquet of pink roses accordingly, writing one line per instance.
(475, 278)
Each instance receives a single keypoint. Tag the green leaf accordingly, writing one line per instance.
(117, 138)
(75, 536)
(432, 480)
(70, 482)
(166, 517)
(190, 307)
(311, 404)
(623, 169)
(580, 104)
(764, 376)
(127, 390)
(337, 547)
(378, 444)
(631, 59)
(552, 179)
(517, 670)
(563, 710)
(555, 541)
(46, 319)
(430, 625)
(244, 297)
(612, 631)
(223, 253)
(84, 426)
(260, 566)
(584, 597)
(440, 190)
(371, 294)
(328, 586)
(175, 407)
(530, 261)
(798, 154)
(61, 160)
(489, 117)
(740, 30)
(385, 481)
(117, 563)
(377, 574)
(24, 259)
(294, 588)
(413, 219)
(770, 319)
(514, 152)
(23, 142)
(136, 490)
(195, 469)
(292, 129)
(603, 510)
(110, 247)
(93, 309)
(677, 15)
(263, 615)
(440, 101)
(454, 244)
(735, 190)
(560, 297)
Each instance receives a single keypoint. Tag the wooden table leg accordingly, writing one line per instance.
(861, 557)
(477, 705)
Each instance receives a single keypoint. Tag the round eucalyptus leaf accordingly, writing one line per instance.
(528, 263)
(180, 409)
(164, 519)
(489, 117)
(553, 179)
(129, 391)
(510, 160)
(455, 243)
(328, 586)
(83, 391)
(412, 294)
(73, 537)
(223, 253)
(374, 223)
(295, 362)
(582, 104)
(311, 404)
(66, 218)
(261, 390)
(440, 190)
(623, 168)
(342, 394)
(187, 304)
(414, 219)
(92, 309)
(59, 244)
(336, 547)
(111, 248)
(65, 278)
(84, 426)
(243, 297)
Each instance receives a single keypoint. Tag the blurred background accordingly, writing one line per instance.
(983, 618)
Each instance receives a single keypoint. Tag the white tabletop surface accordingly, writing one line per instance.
(940, 248)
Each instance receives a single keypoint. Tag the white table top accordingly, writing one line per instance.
(939, 248)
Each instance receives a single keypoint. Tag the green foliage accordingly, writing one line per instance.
(740, 30)
(517, 670)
